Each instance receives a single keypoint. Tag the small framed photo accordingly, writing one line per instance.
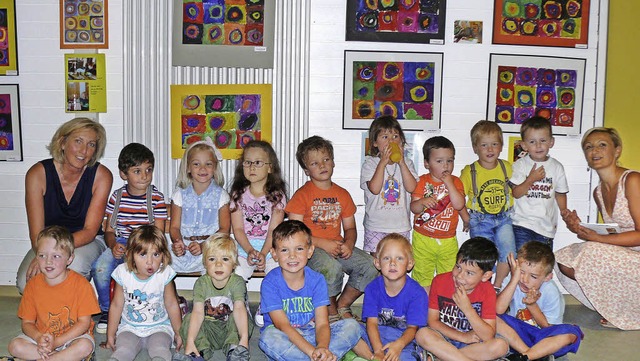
(10, 134)
(515, 149)
(8, 45)
(407, 86)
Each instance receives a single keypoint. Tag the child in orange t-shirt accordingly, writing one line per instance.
(438, 197)
(56, 305)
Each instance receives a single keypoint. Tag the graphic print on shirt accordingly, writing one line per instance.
(325, 212)
(427, 219)
(386, 318)
(299, 310)
(60, 322)
(523, 314)
(451, 315)
(219, 308)
(541, 189)
(257, 216)
(492, 197)
(391, 191)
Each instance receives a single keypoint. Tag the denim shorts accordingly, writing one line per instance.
(524, 235)
(495, 227)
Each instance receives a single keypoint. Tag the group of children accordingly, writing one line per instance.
(305, 312)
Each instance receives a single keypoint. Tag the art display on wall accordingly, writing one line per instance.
(10, 135)
(84, 24)
(515, 150)
(86, 83)
(563, 23)
(523, 86)
(8, 48)
(231, 115)
(232, 33)
(467, 32)
(405, 85)
(408, 21)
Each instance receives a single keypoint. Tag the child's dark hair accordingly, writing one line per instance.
(141, 239)
(287, 229)
(316, 143)
(383, 122)
(436, 142)
(275, 188)
(134, 154)
(535, 122)
(538, 252)
(480, 251)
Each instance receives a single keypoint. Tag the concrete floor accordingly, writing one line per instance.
(599, 343)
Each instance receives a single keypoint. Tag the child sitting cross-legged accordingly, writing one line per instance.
(395, 305)
(531, 307)
(462, 308)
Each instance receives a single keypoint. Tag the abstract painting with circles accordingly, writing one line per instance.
(523, 86)
(397, 21)
(8, 53)
(10, 135)
(231, 115)
(83, 24)
(405, 85)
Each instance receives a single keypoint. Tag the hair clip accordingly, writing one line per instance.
(208, 141)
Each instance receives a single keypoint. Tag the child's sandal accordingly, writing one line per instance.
(343, 310)
(334, 318)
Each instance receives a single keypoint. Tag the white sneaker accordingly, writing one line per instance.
(259, 319)
(101, 327)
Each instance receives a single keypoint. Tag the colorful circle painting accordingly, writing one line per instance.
(223, 139)
(552, 10)
(419, 93)
(391, 72)
(388, 108)
(235, 36)
(216, 122)
(366, 73)
(248, 121)
(191, 102)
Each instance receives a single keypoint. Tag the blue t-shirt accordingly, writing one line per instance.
(299, 305)
(551, 304)
(407, 308)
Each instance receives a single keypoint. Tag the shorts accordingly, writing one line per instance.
(495, 227)
(531, 335)
(372, 238)
(431, 256)
(66, 344)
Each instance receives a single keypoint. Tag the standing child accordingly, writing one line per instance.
(200, 206)
(436, 201)
(56, 305)
(136, 203)
(531, 307)
(326, 208)
(144, 312)
(294, 300)
(462, 308)
(489, 200)
(219, 319)
(538, 183)
(258, 198)
(394, 304)
(386, 184)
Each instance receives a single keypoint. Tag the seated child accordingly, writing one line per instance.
(531, 307)
(394, 304)
(219, 319)
(56, 305)
(462, 308)
(294, 301)
(326, 208)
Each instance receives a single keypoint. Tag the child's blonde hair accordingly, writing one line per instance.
(62, 236)
(184, 179)
(141, 239)
(395, 237)
(220, 242)
(485, 127)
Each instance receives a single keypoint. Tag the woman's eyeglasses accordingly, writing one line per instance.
(256, 163)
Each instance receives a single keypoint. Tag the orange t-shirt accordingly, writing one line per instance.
(57, 308)
(441, 221)
(322, 210)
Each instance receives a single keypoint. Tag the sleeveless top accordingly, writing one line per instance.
(56, 209)
(620, 213)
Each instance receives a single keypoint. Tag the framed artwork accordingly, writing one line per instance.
(223, 33)
(409, 21)
(405, 85)
(86, 83)
(10, 135)
(467, 32)
(84, 24)
(563, 23)
(8, 48)
(515, 149)
(523, 86)
(231, 115)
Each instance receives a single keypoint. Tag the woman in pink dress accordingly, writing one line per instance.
(603, 272)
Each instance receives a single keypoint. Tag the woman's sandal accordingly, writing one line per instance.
(607, 324)
(344, 310)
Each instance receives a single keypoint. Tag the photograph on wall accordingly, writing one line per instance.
(409, 21)
(10, 135)
(405, 85)
(8, 48)
(219, 33)
(563, 23)
(467, 32)
(231, 115)
(86, 84)
(515, 149)
(84, 24)
(521, 86)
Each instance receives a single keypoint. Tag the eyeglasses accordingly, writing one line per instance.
(256, 163)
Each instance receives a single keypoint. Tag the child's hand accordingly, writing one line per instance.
(446, 177)
(536, 173)
(178, 341)
(531, 297)
(461, 299)
(178, 247)
(571, 219)
(514, 265)
(379, 355)
(429, 202)
(118, 250)
(333, 248)
(253, 257)
(345, 251)
(195, 248)
(393, 351)
(465, 226)
(322, 354)
(471, 337)
(384, 155)
(45, 345)
(110, 344)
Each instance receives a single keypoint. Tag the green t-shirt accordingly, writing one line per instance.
(218, 303)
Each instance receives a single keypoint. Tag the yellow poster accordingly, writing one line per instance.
(86, 89)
